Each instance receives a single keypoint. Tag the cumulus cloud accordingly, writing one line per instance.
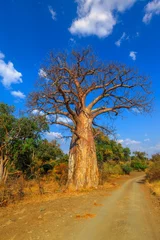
(8, 74)
(128, 142)
(97, 17)
(64, 119)
(42, 73)
(147, 140)
(133, 55)
(18, 94)
(136, 110)
(2, 55)
(155, 148)
(151, 9)
(122, 38)
(37, 112)
(53, 135)
(52, 12)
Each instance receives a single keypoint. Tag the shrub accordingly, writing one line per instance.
(155, 188)
(126, 168)
(61, 173)
(138, 165)
(153, 172)
(108, 169)
(112, 168)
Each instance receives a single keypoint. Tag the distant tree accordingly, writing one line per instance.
(140, 155)
(49, 154)
(139, 161)
(117, 150)
(80, 87)
(19, 138)
(155, 157)
(110, 150)
(127, 154)
(103, 148)
(25, 138)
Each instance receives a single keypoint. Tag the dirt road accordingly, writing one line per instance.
(123, 213)
(126, 215)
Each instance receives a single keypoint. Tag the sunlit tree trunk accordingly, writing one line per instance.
(3, 169)
(83, 169)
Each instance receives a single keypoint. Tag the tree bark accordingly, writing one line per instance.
(83, 169)
(3, 170)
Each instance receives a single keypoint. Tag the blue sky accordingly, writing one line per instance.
(127, 31)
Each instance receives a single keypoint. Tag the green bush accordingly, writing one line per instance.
(126, 168)
(138, 165)
(111, 168)
(153, 172)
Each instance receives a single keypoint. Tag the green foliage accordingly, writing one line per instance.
(139, 165)
(126, 168)
(139, 155)
(110, 150)
(155, 157)
(48, 155)
(21, 146)
(139, 161)
(112, 168)
(48, 150)
(25, 139)
(127, 154)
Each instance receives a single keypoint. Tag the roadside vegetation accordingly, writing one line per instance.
(153, 174)
(32, 166)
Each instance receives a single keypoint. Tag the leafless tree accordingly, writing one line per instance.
(78, 88)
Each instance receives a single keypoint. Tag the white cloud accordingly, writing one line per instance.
(8, 74)
(52, 12)
(128, 141)
(133, 54)
(72, 40)
(18, 94)
(136, 110)
(97, 17)
(155, 148)
(2, 55)
(64, 119)
(42, 73)
(147, 140)
(123, 37)
(151, 9)
(53, 135)
(37, 112)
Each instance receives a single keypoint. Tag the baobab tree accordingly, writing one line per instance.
(78, 87)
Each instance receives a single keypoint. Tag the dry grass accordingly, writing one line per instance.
(18, 190)
(28, 191)
(85, 216)
(97, 204)
(155, 188)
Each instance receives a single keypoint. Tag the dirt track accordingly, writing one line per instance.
(125, 213)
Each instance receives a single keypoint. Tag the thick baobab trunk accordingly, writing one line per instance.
(83, 169)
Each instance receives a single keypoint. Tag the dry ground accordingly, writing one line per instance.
(125, 211)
